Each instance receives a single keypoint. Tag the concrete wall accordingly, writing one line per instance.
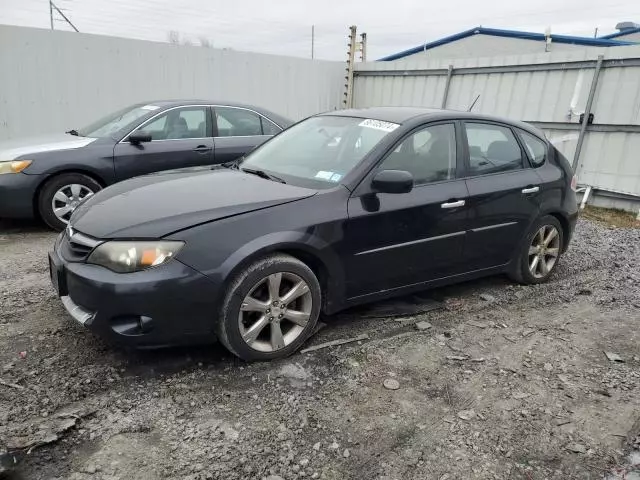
(488, 46)
(53, 81)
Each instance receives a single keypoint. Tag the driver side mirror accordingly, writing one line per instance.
(392, 181)
(139, 137)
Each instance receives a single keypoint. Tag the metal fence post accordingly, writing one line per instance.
(446, 87)
(587, 111)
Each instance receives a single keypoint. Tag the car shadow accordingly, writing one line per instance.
(345, 324)
(14, 225)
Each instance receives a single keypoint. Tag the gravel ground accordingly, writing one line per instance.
(504, 381)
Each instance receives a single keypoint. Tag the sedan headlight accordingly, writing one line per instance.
(14, 166)
(126, 257)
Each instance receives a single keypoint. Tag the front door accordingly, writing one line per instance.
(181, 137)
(397, 240)
(238, 131)
(504, 194)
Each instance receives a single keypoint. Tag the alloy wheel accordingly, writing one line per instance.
(544, 251)
(67, 199)
(275, 312)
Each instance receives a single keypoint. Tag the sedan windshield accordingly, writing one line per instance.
(319, 151)
(111, 124)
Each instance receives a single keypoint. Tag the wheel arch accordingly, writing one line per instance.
(324, 264)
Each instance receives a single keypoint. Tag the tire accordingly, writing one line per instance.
(236, 327)
(521, 270)
(81, 184)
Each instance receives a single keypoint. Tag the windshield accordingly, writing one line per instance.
(111, 124)
(320, 151)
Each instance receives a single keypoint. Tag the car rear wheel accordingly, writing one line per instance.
(61, 195)
(540, 252)
(270, 309)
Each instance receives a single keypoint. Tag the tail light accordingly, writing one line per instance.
(574, 183)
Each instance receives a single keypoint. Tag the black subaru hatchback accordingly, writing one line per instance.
(340, 209)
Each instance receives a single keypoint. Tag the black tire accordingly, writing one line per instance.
(228, 325)
(519, 270)
(50, 188)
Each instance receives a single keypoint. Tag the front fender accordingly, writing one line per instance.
(291, 242)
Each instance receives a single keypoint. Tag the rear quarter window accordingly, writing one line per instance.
(536, 148)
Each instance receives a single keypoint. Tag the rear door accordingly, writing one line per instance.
(396, 240)
(181, 137)
(504, 193)
(238, 131)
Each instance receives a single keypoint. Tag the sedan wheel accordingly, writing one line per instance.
(270, 308)
(67, 198)
(544, 251)
(61, 195)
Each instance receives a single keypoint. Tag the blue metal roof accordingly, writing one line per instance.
(586, 41)
(624, 32)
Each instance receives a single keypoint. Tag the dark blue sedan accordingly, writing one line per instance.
(49, 176)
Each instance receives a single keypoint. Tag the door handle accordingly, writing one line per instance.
(455, 204)
(530, 190)
(202, 148)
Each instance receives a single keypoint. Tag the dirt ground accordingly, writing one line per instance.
(504, 382)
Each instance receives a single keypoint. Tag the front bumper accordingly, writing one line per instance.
(17, 195)
(167, 305)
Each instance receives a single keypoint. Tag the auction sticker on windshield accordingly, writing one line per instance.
(379, 125)
(149, 107)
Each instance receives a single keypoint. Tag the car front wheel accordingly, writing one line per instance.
(540, 252)
(61, 195)
(270, 308)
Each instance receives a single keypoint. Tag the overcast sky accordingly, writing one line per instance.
(284, 27)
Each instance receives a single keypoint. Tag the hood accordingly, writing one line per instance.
(12, 149)
(156, 205)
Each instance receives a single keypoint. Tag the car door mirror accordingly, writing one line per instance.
(139, 137)
(392, 181)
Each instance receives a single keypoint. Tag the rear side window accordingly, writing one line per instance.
(269, 128)
(536, 148)
(492, 149)
(237, 122)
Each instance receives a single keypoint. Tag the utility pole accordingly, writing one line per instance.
(313, 41)
(53, 6)
(350, 60)
(363, 47)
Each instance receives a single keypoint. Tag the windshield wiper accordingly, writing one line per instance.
(263, 174)
(233, 164)
(73, 132)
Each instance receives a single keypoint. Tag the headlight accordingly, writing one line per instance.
(126, 257)
(14, 166)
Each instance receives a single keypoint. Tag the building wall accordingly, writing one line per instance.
(631, 37)
(53, 80)
(489, 46)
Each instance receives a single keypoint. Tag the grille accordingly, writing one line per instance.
(77, 246)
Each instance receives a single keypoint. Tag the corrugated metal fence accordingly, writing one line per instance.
(53, 81)
(548, 90)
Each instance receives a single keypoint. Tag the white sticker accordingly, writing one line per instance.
(379, 125)
(335, 177)
(150, 107)
(324, 175)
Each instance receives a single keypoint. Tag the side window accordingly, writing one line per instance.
(269, 128)
(188, 122)
(237, 122)
(428, 154)
(492, 149)
(536, 148)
